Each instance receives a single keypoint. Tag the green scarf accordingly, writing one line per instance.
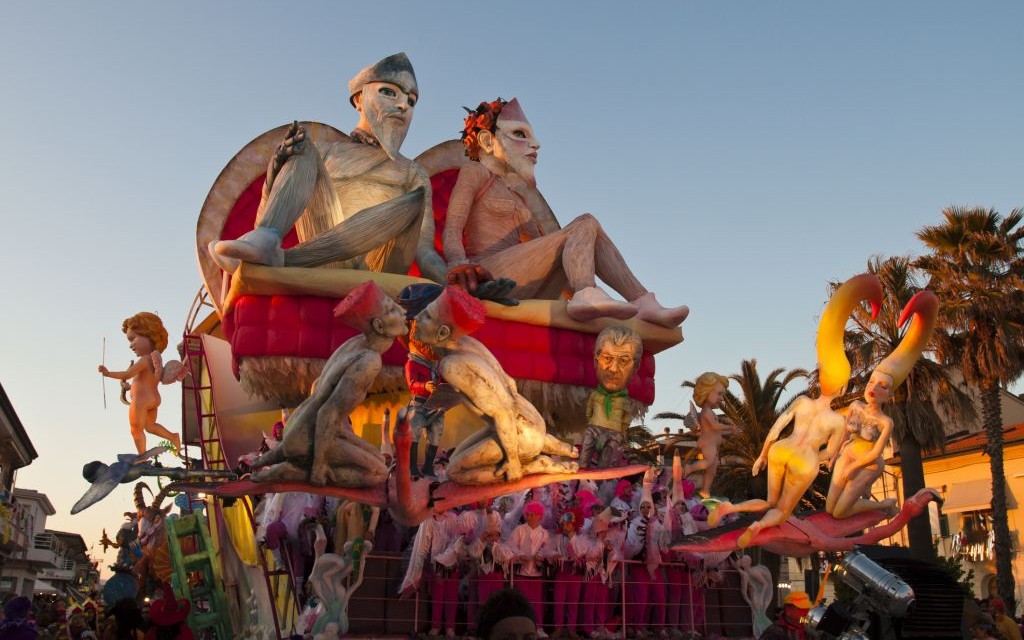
(608, 395)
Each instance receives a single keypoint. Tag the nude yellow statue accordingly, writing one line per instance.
(860, 461)
(793, 461)
(492, 229)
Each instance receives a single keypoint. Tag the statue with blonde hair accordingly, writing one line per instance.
(869, 430)
(708, 394)
(147, 337)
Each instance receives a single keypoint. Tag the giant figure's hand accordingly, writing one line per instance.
(497, 291)
(468, 276)
(760, 462)
(292, 145)
(511, 468)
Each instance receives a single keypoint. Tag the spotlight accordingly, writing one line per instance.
(881, 594)
(886, 592)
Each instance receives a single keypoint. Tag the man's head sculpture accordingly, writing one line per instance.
(385, 94)
(499, 135)
(368, 309)
(617, 353)
(452, 315)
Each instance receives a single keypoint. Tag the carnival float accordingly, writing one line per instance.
(407, 390)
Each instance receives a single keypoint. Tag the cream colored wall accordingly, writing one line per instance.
(943, 473)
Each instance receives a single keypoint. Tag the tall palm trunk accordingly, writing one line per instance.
(992, 415)
(919, 530)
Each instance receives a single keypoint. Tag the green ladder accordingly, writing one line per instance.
(209, 610)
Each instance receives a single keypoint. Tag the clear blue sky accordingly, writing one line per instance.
(741, 154)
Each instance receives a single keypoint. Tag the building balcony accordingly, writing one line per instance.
(13, 534)
(46, 550)
(57, 575)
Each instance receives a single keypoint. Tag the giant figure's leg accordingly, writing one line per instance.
(293, 190)
(538, 266)
(388, 230)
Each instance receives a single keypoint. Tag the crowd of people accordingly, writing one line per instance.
(50, 619)
(570, 549)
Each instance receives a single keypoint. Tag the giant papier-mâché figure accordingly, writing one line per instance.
(491, 228)
(356, 203)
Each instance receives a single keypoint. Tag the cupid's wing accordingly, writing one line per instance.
(174, 371)
(692, 419)
(101, 487)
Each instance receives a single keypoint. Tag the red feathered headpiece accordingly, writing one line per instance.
(361, 305)
(456, 308)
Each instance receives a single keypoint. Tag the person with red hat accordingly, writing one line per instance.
(1005, 625)
(789, 625)
(169, 615)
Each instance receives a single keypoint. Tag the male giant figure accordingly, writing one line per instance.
(491, 227)
(366, 205)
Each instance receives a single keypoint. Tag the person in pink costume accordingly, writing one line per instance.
(435, 536)
(531, 545)
(678, 583)
(647, 581)
(598, 555)
(488, 557)
(570, 558)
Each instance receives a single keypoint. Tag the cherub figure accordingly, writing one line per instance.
(147, 337)
(617, 354)
(319, 445)
(793, 461)
(709, 393)
(515, 440)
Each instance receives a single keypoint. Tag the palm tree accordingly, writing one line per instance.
(916, 422)
(976, 266)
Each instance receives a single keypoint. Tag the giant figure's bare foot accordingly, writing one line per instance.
(262, 245)
(723, 509)
(748, 536)
(591, 302)
(652, 311)
(546, 464)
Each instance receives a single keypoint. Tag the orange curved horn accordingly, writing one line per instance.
(833, 366)
(924, 307)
